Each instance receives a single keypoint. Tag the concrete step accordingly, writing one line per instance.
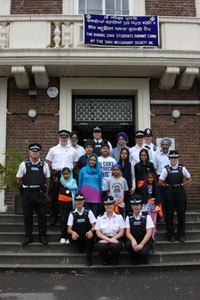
(13, 218)
(177, 246)
(192, 256)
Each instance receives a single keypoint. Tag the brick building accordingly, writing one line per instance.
(41, 46)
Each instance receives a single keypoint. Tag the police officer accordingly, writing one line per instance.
(33, 175)
(148, 137)
(98, 141)
(174, 177)
(81, 226)
(109, 230)
(138, 232)
(59, 157)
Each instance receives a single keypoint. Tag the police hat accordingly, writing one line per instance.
(97, 129)
(136, 199)
(139, 134)
(64, 133)
(108, 200)
(148, 132)
(173, 154)
(34, 147)
(79, 197)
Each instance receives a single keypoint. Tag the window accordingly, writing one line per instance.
(105, 7)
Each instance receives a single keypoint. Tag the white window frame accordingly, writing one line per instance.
(76, 7)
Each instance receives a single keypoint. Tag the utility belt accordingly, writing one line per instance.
(175, 186)
(36, 188)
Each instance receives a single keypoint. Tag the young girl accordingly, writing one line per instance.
(151, 198)
(67, 190)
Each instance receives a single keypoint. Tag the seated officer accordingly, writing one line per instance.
(109, 231)
(33, 175)
(81, 223)
(138, 232)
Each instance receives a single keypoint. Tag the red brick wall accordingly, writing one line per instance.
(36, 7)
(186, 130)
(21, 130)
(171, 8)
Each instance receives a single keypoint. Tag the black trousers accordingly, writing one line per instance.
(64, 215)
(144, 252)
(175, 199)
(109, 251)
(83, 244)
(34, 199)
(54, 191)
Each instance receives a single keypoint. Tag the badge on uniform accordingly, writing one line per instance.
(34, 169)
(137, 223)
(67, 192)
(80, 220)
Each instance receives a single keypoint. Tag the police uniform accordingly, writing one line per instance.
(152, 148)
(109, 227)
(60, 157)
(175, 197)
(34, 187)
(135, 150)
(81, 223)
(98, 143)
(138, 226)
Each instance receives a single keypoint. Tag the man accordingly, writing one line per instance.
(122, 140)
(134, 151)
(106, 163)
(139, 227)
(161, 160)
(58, 157)
(82, 162)
(33, 176)
(148, 137)
(74, 142)
(174, 177)
(97, 134)
(81, 226)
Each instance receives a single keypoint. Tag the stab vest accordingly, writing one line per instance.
(34, 173)
(81, 223)
(138, 227)
(175, 176)
(97, 147)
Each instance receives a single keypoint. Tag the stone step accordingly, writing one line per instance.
(192, 256)
(17, 227)
(177, 246)
(13, 218)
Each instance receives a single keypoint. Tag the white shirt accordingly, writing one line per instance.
(149, 222)
(153, 150)
(22, 169)
(160, 161)
(91, 217)
(105, 164)
(62, 157)
(164, 173)
(79, 149)
(135, 151)
(110, 227)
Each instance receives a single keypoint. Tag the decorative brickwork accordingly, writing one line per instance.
(185, 130)
(170, 8)
(36, 7)
(21, 130)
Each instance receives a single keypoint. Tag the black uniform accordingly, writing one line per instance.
(81, 225)
(97, 146)
(138, 231)
(175, 198)
(34, 197)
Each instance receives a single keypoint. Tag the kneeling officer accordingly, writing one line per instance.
(81, 226)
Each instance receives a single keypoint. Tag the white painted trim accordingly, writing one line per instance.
(5, 7)
(68, 7)
(3, 106)
(197, 6)
(133, 86)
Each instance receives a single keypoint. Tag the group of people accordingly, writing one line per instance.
(111, 196)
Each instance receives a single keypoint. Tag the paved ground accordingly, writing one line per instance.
(111, 285)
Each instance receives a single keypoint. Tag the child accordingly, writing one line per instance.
(117, 187)
(151, 198)
(67, 189)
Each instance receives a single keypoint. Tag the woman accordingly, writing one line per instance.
(127, 173)
(141, 169)
(90, 183)
(109, 230)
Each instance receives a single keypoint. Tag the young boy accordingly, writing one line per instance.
(117, 187)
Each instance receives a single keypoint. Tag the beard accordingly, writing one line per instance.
(120, 146)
